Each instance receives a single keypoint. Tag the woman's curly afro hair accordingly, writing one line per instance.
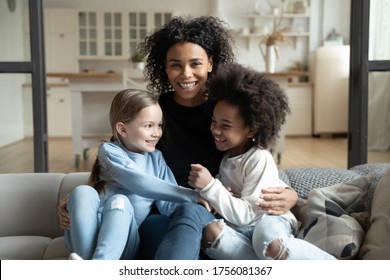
(208, 32)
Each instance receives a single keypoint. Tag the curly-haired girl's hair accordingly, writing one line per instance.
(210, 33)
(262, 104)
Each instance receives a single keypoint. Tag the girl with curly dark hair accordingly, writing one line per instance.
(249, 112)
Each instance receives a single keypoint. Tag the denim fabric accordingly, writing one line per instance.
(101, 231)
(182, 240)
(241, 245)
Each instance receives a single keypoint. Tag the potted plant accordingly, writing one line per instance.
(138, 60)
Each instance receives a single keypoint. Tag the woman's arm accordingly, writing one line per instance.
(277, 201)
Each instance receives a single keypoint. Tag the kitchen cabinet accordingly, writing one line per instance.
(60, 40)
(59, 110)
(115, 34)
(299, 122)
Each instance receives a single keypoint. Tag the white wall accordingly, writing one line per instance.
(12, 49)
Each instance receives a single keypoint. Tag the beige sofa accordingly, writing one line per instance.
(29, 225)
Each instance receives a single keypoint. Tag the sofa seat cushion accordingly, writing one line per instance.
(56, 250)
(23, 247)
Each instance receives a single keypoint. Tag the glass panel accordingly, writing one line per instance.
(107, 19)
(379, 32)
(142, 19)
(132, 19)
(108, 48)
(378, 141)
(93, 48)
(92, 33)
(16, 124)
(82, 19)
(83, 48)
(15, 48)
(107, 34)
(142, 33)
(92, 19)
(82, 33)
(118, 48)
(133, 46)
(157, 19)
(168, 17)
(118, 34)
(118, 19)
(133, 34)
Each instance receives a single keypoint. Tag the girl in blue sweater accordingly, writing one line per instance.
(128, 176)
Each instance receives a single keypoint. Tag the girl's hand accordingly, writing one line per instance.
(205, 203)
(63, 213)
(199, 176)
(277, 200)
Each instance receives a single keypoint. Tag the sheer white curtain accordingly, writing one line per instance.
(379, 82)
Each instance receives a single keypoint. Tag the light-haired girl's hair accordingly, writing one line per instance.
(124, 108)
(126, 105)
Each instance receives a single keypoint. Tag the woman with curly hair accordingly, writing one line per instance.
(249, 112)
(181, 58)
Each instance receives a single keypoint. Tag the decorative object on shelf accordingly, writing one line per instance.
(138, 60)
(269, 44)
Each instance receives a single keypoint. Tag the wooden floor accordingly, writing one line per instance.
(299, 152)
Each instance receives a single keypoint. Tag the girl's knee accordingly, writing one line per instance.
(210, 234)
(275, 250)
(120, 202)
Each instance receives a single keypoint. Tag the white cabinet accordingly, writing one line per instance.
(60, 40)
(115, 34)
(299, 122)
(59, 110)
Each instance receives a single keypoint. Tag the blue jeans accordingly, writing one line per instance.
(176, 238)
(184, 233)
(251, 242)
(108, 231)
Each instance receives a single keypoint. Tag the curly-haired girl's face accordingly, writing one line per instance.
(187, 68)
(229, 130)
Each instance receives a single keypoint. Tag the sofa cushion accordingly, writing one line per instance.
(377, 240)
(28, 204)
(23, 247)
(376, 170)
(56, 250)
(303, 180)
(325, 218)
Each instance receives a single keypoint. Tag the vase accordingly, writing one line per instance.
(270, 58)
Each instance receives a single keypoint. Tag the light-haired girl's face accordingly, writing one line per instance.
(229, 130)
(187, 68)
(144, 131)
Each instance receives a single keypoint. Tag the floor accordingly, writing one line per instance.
(299, 152)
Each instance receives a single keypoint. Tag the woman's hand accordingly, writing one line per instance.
(276, 200)
(199, 176)
(63, 213)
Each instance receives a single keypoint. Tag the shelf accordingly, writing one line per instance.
(288, 34)
(256, 16)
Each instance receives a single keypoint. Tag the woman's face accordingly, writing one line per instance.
(187, 68)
